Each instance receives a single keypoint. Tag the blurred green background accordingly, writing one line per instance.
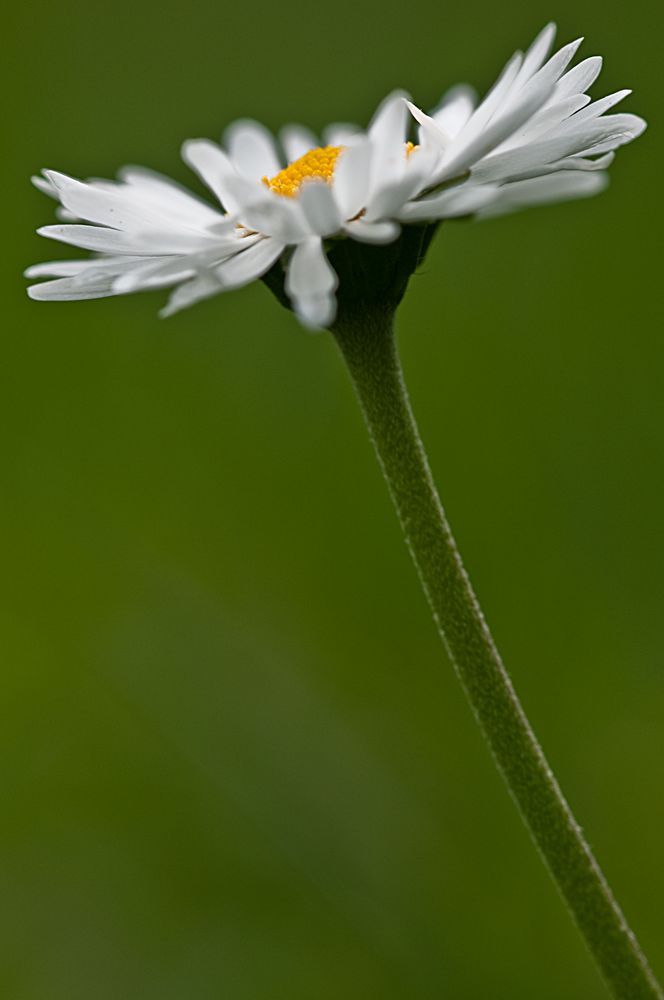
(235, 763)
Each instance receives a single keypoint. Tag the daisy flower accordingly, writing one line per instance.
(536, 137)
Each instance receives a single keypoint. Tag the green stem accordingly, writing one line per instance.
(369, 349)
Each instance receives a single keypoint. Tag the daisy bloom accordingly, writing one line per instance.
(536, 137)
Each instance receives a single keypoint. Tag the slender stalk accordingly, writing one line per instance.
(369, 349)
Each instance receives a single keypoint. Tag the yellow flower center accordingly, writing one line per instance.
(318, 162)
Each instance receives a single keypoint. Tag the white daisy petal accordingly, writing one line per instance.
(309, 271)
(67, 290)
(581, 163)
(68, 268)
(386, 172)
(389, 199)
(252, 149)
(90, 238)
(387, 134)
(422, 162)
(373, 232)
(112, 241)
(213, 167)
(536, 54)
(597, 149)
(578, 79)
(311, 282)
(45, 185)
(94, 280)
(316, 312)
(465, 199)
(455, 109)
(96, 204)
(541, 190)
(431, 130)
(243, 191)
(297, 141)
(320, 207)
(388, 125)
(202, 287)
(276, 216)
(65, 216)
(250, 264)
(598, 108)
(351, 178)
(339, 133)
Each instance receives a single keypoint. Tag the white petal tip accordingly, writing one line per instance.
(399, 92)
(385, 231)
(190, 145)
(316, 314)
(56, 177)
(124, 284)
(43, 292)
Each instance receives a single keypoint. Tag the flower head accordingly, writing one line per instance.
(535, 137)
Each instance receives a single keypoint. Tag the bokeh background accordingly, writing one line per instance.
(235, 762)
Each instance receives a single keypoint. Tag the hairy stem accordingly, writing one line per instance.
(368, 346)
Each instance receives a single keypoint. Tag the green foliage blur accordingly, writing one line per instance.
(235, 762)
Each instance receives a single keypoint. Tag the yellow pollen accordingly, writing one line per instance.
(410, 148)
(316, 163)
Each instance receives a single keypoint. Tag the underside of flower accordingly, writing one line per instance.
(317, 163)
